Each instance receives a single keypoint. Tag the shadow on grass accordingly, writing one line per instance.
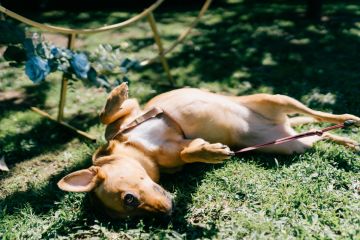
(270, 45)
(339, 159)
(89, 16)
(43, 137)
(40, 199)
(21, 100)
(185, 184)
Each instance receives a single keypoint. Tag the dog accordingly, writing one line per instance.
(198, 126)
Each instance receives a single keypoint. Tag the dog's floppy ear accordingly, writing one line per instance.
(82, 181)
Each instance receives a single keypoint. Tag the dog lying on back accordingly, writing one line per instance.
(198, 126)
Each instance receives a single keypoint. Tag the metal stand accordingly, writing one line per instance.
(64, 124)
(151, 19)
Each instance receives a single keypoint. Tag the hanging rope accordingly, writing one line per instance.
(64, 30)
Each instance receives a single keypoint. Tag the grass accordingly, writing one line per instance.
(240, 48)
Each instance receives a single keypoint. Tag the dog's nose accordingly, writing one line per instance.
(170, 209)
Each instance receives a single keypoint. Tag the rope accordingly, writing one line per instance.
(64, 30)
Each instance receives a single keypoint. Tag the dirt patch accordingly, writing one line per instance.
(12, 97)
(60, 40)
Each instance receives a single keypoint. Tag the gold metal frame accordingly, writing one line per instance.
(72, 33)
(157, 38)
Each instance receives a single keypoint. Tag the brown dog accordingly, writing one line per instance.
(198, 127)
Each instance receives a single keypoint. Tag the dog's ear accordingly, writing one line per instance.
(83, 180)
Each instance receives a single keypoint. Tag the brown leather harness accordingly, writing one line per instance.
(157, 111)
(152, 113)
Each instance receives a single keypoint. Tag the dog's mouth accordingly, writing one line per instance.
(164, 207)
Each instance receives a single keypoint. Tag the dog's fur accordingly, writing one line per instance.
(129, 165)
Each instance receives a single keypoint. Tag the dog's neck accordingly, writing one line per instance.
(117, 151)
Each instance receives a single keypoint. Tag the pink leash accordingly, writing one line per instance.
(346, 124)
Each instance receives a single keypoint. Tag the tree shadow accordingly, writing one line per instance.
(338, 159)
(45, 136)
(21, 100)
(185, 184)
(274, 48)
(41, 199)
(79, 15)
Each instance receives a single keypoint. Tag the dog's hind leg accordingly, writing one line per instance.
(198, 150)
(277, 107)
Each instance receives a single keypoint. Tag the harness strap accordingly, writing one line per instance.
(152, 113)
(346, 124)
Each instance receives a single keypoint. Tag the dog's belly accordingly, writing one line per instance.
(212, 117)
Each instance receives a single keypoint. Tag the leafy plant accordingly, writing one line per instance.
(42, 58)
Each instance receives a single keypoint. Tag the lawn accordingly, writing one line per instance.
(241, 47)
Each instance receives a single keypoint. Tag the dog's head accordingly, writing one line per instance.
(122, 186)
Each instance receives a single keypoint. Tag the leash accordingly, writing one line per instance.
(346, 124)
(156, 111)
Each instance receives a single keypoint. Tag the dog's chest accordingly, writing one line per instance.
(153, 134)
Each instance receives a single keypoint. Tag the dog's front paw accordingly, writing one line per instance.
(217, 152)
(120, 91)
(202, 151)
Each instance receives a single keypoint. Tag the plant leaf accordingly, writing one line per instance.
(29, 47)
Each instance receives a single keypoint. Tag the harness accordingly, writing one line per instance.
(157, 111)
(152, 113)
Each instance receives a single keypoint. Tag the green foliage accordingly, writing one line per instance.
(41, 58)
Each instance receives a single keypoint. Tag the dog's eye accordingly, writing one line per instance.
(131, 200)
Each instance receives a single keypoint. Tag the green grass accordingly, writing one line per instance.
(239, 48)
